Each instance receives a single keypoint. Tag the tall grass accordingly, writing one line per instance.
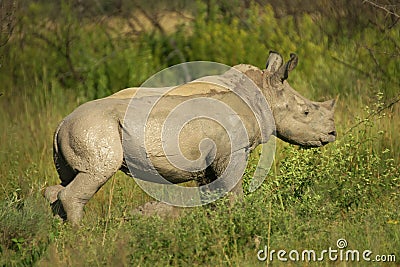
(311, 198)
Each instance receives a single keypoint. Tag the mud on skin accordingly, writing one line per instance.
(88, 147)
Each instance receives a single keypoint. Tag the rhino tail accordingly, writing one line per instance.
(64, 170)
(50, 192)
(55, 142)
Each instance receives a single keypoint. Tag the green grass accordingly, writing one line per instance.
(349, 189)
(311, 198)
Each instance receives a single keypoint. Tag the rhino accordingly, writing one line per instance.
(88, 143)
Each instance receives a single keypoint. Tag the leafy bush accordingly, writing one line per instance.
(59, 57)
(26, 229)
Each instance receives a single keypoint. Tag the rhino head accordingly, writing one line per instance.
(299, 120)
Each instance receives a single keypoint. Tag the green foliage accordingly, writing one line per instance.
(342, 178)
(59, 57)
(25, 227)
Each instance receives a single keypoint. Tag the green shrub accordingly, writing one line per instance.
(57, 60)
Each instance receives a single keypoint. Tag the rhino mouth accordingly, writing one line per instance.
(318, 142)
(329, 138)
(326, 139)
(313, 144)
(323, 143)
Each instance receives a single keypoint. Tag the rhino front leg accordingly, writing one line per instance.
(237, 191)
(228, 182)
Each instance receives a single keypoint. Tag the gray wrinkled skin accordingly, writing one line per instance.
(88, 143)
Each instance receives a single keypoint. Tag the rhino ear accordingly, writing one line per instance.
(274, 62)
(292, 63)
(283, 72)
(330, 104)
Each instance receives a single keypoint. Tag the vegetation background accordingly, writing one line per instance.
(55, 55)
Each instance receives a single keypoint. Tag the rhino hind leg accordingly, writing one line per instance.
(78, 192)
(78, 187)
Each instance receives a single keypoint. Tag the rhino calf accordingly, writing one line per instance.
(88, 147)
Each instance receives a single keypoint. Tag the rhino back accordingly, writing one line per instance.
(158, 133)
(95, 133)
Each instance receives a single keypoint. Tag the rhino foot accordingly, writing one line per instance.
(58, 209)
(51, 195)
(71, 206)
(51, 192)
